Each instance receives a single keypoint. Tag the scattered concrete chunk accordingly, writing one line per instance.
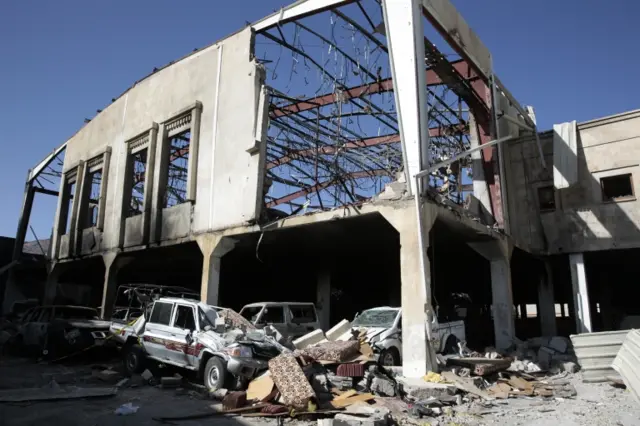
(147, 375)
(383, 387)
(309, 339)
(338, 330)
(351, 420)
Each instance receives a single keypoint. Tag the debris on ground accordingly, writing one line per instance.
(126, 409)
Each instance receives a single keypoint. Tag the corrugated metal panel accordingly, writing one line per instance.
(627, 363)
(596, 352)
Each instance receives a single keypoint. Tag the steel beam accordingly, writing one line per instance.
(382, 86)
(323, 185)
(297, 10)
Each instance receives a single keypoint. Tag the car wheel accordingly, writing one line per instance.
(451, 345)
(134, 359)
(390, 357)
(215, 374)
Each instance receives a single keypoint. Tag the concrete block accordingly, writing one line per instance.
(338, 330)
(325, 422)
(418, 389)
(147, 375)
(351, 420)
(559, 344)
(544, 357)
(309, 339)
(364, 408)
(383, 387)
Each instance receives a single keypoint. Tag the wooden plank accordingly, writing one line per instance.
(466, 385)
(348, 401)
(520, 384)
(345, 395)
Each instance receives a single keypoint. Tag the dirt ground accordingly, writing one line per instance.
(595, 404)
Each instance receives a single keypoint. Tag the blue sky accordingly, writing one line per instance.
(62, 60)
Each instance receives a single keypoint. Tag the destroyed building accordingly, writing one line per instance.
(296, 160)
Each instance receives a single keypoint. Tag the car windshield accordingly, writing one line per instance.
(76, 313)
(250, 313)
(376, 318)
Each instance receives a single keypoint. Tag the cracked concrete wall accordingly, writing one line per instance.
(581, 221)
(226, 80)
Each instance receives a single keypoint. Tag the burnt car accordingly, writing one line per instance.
(55, 331)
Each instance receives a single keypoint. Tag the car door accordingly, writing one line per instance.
(182, 335)
(302, 320)
(157, 335)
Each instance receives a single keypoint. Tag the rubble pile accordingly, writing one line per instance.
(334, 377)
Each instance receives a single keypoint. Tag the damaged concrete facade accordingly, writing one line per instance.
(212, 174)
(587, 232)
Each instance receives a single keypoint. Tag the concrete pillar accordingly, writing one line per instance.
(480, 187)
(110, 287)
(74, 224)
(580, 293)
(213, 247)
(546, 302)
(418, 355)
(323, 299)
(405, 36)
(498, 253)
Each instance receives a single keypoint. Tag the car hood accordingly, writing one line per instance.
(94, 324)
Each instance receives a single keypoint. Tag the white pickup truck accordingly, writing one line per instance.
(383, 327)
(192, 335)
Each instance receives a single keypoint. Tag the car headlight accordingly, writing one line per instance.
(239, 351)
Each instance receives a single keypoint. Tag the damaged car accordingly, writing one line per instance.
(54, 331)
(193, 336)
(383, 331)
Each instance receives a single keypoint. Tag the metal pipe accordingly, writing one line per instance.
(462, 155)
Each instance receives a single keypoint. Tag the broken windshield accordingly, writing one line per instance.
(376, 318)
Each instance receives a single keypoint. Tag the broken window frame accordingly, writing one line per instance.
(69, 183)
(615, 199)
(94, 166)
(185, 121)
(135, 147)
(542, 207)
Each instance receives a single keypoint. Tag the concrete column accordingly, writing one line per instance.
(498, 253)
(580, 293)
(546, 302)
(418, 355)
(213, 247)
(405, 36)
(323, 299)
(149, 183)
(110, 288)
(502, 295)
(480, 187)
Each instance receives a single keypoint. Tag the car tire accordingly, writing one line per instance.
(389, 357)
(451, 345)
(133, 359)
(215, 374)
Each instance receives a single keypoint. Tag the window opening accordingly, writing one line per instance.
(139, 169)
(93, 205)
(177, 172)
(615, 188)
(547, 198)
